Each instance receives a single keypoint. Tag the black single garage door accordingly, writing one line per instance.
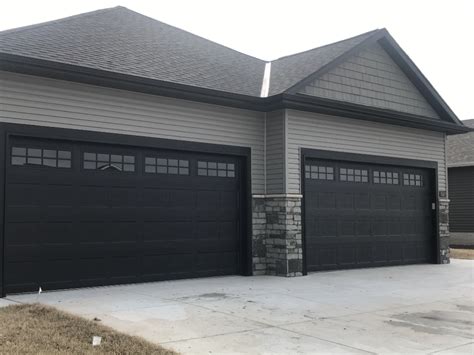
(90, 214)
(363, 215)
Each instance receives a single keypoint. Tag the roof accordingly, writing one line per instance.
(460, 148)
(117, 47)
(123, 41)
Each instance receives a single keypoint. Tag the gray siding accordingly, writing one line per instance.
(275, 152)
(461, 195)
(371, 78)
(45, 102)
(317, 131)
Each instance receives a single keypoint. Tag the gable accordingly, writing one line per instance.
(371, 78)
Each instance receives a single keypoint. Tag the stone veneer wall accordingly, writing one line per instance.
(277, 236)
(443, 227)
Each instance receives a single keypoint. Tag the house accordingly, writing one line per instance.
(134, 151)
(460, 157)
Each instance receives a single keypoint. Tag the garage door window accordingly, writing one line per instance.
(37, 156)
(354, 175)
(412, 179)
(113, 162)
(317, 172)
(211, 168)
(166, 166)
(386, 177)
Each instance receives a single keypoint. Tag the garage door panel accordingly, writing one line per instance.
(167, 230)
(362, 228)
(394, 202)
(24, 275)
(156, 247)
(123, 196)
(380, 252)
(364, 253)
(347, 254)
(24, 233)
(327, 227)
(366, 215)
(168, 265)
(23, 194)
(345, 200)
(327, 257)
(105, 223)
(123, 231)
(347, 227)
(409, 202)
(327, 200)
(56, 214)
(22, 253)
(362, 201)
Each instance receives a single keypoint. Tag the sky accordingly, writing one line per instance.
(437, 35)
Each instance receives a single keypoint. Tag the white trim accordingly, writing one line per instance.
(266, 80)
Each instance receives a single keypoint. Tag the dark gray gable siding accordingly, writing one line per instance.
(371, 78)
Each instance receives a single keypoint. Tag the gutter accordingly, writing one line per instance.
(68, 72)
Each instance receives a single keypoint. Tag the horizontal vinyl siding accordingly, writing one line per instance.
(371, 78)
(275, 152)
(46, 102)
(317, 131)
(461, 195)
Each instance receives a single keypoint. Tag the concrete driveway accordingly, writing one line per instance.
(407, 309)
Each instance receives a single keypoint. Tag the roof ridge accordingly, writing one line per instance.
(329, 44)
(62, 19)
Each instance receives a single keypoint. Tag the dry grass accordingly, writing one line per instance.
(37, 329)
(462, 254)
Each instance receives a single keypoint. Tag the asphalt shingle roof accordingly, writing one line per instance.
(290, 70)
(460, 147)
(122, 41)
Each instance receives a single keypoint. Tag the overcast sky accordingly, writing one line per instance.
(437, 35)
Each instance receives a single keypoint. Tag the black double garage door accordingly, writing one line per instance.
(364, 215)
(80, 214)
(84, 214)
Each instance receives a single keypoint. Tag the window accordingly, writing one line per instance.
(317, 172)
(104, 161)
(208, 168)
(412, 179)
(37, 156)
(385, 177)
(353, 175)
(166, 166)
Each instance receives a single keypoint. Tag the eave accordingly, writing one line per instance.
(78, 74)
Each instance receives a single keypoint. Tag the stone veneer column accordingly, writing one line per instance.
(277, 237)
(443, 217)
